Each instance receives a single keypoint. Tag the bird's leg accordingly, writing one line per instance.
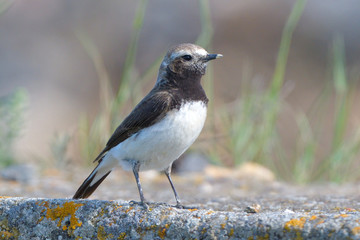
(167, 173)
(136, 169)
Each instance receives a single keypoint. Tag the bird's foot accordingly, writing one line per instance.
(142, 203)
(178, 205)
(181, 206)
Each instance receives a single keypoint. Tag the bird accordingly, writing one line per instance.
(162, 126)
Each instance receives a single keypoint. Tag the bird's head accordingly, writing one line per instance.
(186, 61)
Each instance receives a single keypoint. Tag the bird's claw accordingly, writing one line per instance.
(142, 203)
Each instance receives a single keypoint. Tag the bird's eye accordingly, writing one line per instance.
(187, 57)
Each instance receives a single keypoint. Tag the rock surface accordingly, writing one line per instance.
(226, 204)
(31, 218)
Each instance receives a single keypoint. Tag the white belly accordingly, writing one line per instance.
(156, 147)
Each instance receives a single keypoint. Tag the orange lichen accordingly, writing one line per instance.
(5, 235)
(312, 218)
(61, 212)
(222, 225)
(355, 230)
(4, 197)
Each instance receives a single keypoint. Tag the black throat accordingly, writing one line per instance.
(185, 88)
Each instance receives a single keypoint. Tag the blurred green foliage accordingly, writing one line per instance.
(4, 5)
(59, 150)
(94, 134)
(251, 129)
(12, 109)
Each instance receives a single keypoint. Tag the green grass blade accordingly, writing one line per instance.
(128, 68)
(207, 31)
(341, 90)
(5, 5)
(105, 93)
(278, 77)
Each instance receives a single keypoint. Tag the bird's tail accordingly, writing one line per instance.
(92, 181)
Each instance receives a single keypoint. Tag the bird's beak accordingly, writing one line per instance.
(212, 57)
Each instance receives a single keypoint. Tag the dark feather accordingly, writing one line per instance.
(85, 190)
(150, 110)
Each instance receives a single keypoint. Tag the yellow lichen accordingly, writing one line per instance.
(42, 204)
(101, 213)
(113, 221)
(231, 232)
(341, 215)
(320, 222)
(222, 225)
(102, 235)
(193, 209)
(265, 237)
(117, 207)
(61, 212)
(350, 209)
(162, 233)
(7, 232)
(152, 227)
(122, 236)
(129, 209)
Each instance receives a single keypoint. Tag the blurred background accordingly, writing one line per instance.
(70, 71)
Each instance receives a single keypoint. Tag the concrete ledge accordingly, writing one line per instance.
(22, 218)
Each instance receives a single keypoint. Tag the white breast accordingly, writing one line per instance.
(156, 147)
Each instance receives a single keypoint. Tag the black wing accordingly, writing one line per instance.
(150, 110)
